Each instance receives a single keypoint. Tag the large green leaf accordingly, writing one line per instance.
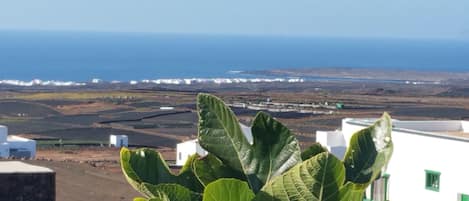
(274, 149)
(369, 151)
(140, 199)
(209, 169)
(220, 133)
(228, 190)
(319, 178)
(352, 192)
(312, 150)
(145, 199)
(171, 192)
(147, 166)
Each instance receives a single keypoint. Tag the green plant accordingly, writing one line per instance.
(271, 168)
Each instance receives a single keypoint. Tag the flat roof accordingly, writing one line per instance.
(456, 133)
(14, 138)
(459, 135)
(9, 167)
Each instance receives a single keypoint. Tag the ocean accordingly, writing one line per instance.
(80, 56)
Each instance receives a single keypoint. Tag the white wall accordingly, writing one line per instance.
(349, 129)
(11, 142)
(332, 140)
(415, 153)
(3, 133)
(22, 144)
(4, 150)
(465, 126)
(118, 140)
(184, 150)
(199, 150)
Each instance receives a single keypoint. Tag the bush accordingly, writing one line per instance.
(271, 168)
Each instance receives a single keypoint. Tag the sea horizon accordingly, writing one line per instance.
(83, 56)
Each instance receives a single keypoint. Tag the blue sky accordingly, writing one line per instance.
(343, 18)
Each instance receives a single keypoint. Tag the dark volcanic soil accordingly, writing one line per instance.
(102, 134)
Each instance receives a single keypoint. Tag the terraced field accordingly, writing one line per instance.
(20, 108)
(92, 115)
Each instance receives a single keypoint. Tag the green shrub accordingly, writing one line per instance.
(271, 168)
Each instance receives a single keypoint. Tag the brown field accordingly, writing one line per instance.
(88, 170)
(77, 182)
(89, 173)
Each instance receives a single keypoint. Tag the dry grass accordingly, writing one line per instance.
(76, 95)
(86, 108)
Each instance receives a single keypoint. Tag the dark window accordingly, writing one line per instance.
(432, 180)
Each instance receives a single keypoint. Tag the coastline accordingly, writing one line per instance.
(364, 75)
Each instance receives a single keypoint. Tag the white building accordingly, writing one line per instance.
(430, 159)
(166, 108)
(118, 141)
(15, 146)
(188, 148)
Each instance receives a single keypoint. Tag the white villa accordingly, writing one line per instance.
(15, 146)
(430, 159)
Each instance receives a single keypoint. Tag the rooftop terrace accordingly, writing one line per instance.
(9, 167)
(454, 129)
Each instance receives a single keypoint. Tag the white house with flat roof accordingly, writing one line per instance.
(430, 159)
(188, 148)
(15, 146)
(118, 141)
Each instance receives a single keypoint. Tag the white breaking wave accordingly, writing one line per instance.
(177, 81)
(235, 71)
(37, 82)
(96, 80)
(189, 81)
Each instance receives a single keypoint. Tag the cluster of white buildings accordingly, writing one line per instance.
(15, 146)
(430, 159)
